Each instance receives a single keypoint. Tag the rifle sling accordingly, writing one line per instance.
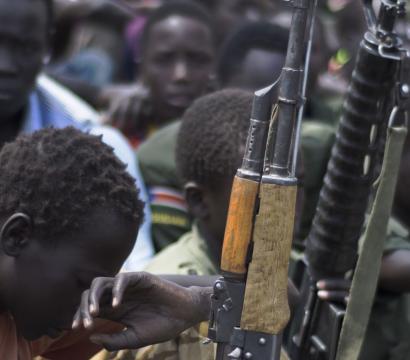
(366, 275)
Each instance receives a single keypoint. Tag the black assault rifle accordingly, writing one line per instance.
(378, 86)
(249, 306)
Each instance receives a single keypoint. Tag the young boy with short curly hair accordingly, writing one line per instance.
(69, 212)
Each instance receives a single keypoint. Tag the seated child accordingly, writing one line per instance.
(69, 212)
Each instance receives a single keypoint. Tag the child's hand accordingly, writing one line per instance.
(334, 290)
(126, 106)
(152, 309)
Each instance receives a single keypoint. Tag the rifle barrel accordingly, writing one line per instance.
(290, 96)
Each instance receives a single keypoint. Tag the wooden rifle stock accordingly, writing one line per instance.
(239, 226)
(266, 308)
(245, 188)
(229, 291)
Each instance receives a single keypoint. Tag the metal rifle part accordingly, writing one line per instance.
(253, 159)
(315, 325)
(265, 309)
(226, 309)
(227, 300)
(304, 85)
(254, 345)
(332, 241)
(331, 247)
(290, 97)
(245, 188)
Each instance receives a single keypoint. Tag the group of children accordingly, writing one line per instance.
(70, 210)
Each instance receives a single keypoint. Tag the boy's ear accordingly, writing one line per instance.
(15, 234)
(194, 196)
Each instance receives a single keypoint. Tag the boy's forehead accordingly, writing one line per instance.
(103, 241)
(176, 26)
(102, 223)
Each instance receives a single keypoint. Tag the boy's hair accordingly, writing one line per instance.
(58, 176)
(212, 138)
(176, 7)
(254, 35)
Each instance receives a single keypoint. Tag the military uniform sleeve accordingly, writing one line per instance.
(170, 219)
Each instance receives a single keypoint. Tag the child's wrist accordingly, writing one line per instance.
(202, 302)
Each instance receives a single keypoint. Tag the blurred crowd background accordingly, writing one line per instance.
(142, 63)
(97, 52)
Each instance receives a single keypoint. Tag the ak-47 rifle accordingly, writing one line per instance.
(332, 244)
(250, 306)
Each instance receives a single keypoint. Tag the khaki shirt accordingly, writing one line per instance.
(188, 256)
(156, 157)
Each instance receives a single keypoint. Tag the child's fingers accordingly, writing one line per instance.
(76, 320)
(333, 284)
(84, 310)
(120, 284)
(99, 286)
(339, 296)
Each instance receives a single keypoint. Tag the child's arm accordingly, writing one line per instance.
(153, 310)
(395, 271)
(150, 309)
